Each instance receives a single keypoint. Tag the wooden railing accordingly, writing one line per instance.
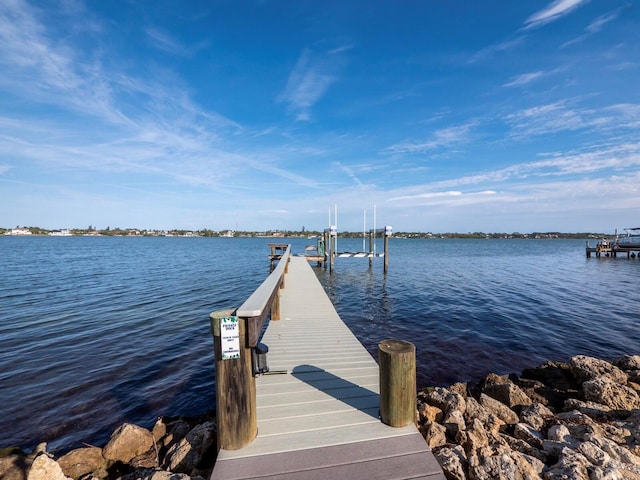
(236, 332)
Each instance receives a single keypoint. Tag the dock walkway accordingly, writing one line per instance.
(318, 408)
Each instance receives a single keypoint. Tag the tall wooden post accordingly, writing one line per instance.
(397, 360)
(327, 247)
(387, 234)
(371, 240)
(332, 251)
(235, 385)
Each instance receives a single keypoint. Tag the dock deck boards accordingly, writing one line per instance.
(319, 419)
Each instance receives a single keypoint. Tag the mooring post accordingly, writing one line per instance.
(387, 234)
(236, 415)
(327, 246)
(371, 240)
(397, 363)
(332, 253)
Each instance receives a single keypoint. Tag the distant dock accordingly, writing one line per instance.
(607, 248)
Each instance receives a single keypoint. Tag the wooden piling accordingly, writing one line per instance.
(397, 363)
(386, 252)
(236, 415)
(371, 240)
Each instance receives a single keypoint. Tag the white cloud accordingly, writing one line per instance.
(524, 79)
(559, 116)
(500, 47)
(552, 12)
(163, 41)
(594, 27)
(601, 21)
(445, 137)
(310, 79)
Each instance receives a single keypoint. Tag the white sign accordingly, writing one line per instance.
(229, 338)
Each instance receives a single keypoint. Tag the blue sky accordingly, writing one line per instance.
(494, 116)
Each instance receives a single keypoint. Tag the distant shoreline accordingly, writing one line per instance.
(279, 235)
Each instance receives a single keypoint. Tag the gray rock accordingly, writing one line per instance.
(455, 401)
(560, 433)
(150, 474)
(454, 422)
(606, 473)
(435, 434)
(497, 462)
(82, 461)
(613, 395)
(535, 415)
(499, 409)
(128, 442)
(460, 388)
(628, 362)
(594, 454)
(445, 400)
(587, 368)
(175, 431)
(570, 466)
(523, 447)
(184, 456)
(46, 468)
(592, 409)
(634, 377)
(437, 398)
(453, 462)
(573, 416)
(528, 434)
(474, 410)
(474, 438)
(508, 393)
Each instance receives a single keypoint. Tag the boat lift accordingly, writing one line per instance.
(326, 248)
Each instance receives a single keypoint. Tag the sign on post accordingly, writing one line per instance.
(229, 338)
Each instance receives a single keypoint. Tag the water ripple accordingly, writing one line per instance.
(98, 331)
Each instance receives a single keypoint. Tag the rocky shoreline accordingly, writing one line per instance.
(175, 449)
(578, 420)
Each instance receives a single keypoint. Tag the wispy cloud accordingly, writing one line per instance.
(613, 158)
(310, 79)
(446, 137)
(349, 172)
(500, 47)
(554, 11)
(163, 41)
(524, 79)
(560, 116)
(603, 179)
(594, 27)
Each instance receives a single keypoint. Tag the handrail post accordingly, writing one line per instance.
(275, 304)
(397, 363)
(236, 415)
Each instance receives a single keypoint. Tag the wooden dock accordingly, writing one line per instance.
(318, 408)
(606, 248)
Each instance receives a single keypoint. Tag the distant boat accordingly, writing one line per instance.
(630, 240)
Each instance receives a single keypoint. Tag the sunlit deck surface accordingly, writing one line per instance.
(319, 419)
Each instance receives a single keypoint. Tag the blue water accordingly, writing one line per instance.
(99, 331)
